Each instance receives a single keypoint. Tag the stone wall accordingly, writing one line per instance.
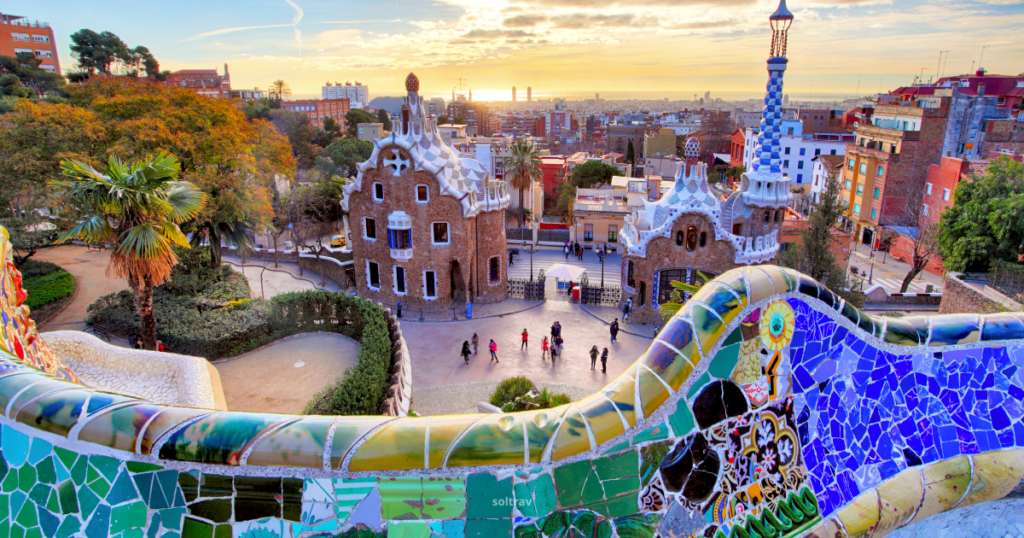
(164, 378)
(339, 271)
(960, 297)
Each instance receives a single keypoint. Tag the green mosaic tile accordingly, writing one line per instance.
(142, 467)
(4, 507)
(68, 498)
(444, 498)
(26, 478)
(27, 515)
(194, 528)
(637, 526)
(87, 501)
(488, 497)
(105, 465)
(698, 385)
(654, 433)
(291, 498)
(47, 474)
(724, 361)
(619, 466)
(735, 337)
(408, 529)
(40, 493)
(53, 503)
(615, 507)
(189, 483)
(214, 485)
(137, 533)
(651, 457)
(681, 419)
(541, 494)
(401, 497)
(616, 448)
(79, 470)
(122, 490)
(10, 482)
(215, 510)
(128, 516)
(69, 527)
(489, 528)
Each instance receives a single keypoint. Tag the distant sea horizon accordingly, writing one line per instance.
(506, 95)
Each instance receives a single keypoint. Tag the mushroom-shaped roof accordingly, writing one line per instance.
(782, 13)
(692, 148)
(412, 83)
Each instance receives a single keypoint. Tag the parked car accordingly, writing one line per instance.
(337, 241)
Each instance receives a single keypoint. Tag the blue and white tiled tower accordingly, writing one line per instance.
(767, 186)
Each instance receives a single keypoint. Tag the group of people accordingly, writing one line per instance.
(573, 248)
(549, 348)
(492, 347)
(136, 342)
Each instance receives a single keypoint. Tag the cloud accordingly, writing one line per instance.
(495, 34)
(298, 12)
(524, 20)
(639, 3)
(703, 25)
(582, 20)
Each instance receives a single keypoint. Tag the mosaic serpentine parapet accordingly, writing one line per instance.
(767, 407)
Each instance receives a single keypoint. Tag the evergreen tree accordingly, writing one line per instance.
(385, 118)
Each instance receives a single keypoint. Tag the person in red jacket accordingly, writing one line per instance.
(526, 341)
(494, 351)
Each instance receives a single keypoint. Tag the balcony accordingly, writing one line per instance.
(400, 235)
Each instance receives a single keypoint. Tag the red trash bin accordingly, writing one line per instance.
(575, 294)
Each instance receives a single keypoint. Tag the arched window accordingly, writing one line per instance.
(778, 215)
(703, 239)
(679, 238)
(767, 216)
(691, 238)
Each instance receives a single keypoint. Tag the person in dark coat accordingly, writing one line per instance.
(614, 329)
(604, 361)
(593, 357)
(465, 351)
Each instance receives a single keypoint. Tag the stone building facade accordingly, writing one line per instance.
(690, 234)
(426, 226)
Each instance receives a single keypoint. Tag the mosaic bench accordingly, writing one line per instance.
(767, 407)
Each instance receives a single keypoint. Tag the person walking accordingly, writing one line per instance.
(476, 343)
(614, 329)
(567, 251)
(544, 348)
(604, 361)
(526, 341)
(159, 345)
(593, 357)
(465, 351)
(510, 262)
(626, 308)
(558, 343)
(494, 351)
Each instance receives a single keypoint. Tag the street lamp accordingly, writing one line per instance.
(530, 249)
(601, 257)
(872, 275)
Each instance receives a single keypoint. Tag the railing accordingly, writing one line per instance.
(526, 234)
(1008, 278)
(523, 288)
(598, 295)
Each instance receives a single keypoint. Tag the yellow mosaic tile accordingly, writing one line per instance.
(673, 367)
(572, 437)
(708, 326)
(347, 432)
(397, 446)
(900, 497)
(760, 285)
(299, 444)
(653, 392)
(540, 428)
(604, 420)
(622, 391)
(996, 473)
(444, 430)
(496, 439)
(861, 515)
(945, 483)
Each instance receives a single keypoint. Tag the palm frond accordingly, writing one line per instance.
(171, 231)
(184, 201)
(143, 241)
(95, 229)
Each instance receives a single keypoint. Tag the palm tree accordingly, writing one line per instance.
(280, 89)
(522, 168)
(137, 206)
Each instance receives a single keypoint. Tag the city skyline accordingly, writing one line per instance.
(645, 47)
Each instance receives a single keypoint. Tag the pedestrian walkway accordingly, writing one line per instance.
(889, 272)
(267, 281)
(548, 256)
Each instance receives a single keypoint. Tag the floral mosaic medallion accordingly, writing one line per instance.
(777, 325)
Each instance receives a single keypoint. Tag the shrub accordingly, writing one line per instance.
(510, 389)
(33, 268)
(45, 289)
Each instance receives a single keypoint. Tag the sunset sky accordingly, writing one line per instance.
(676, 47)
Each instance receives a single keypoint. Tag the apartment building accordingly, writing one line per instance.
(320, 109)
(619, 135)
(202, 81)
(20, 35)
(884, 175)
(798, 149)
(357, 94)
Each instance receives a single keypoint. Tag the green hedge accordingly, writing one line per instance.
(208, 313)
(33, 268)
(43, 290)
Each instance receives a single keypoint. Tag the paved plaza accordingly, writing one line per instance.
(545, 257)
